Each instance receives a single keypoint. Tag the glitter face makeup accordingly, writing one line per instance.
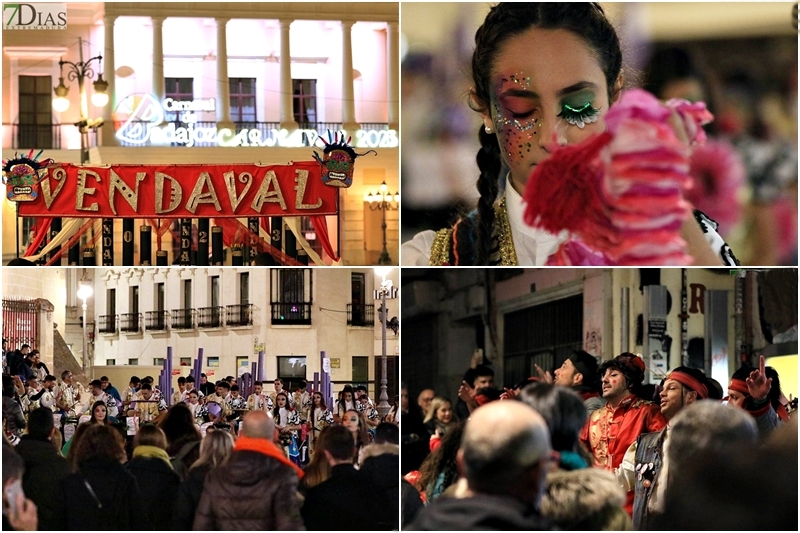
(547, 88)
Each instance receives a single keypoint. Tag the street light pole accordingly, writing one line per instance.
(84, 292)
(383, 403)
(85, 341)
(383, 200)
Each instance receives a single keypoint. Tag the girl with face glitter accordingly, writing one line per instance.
(544, 75)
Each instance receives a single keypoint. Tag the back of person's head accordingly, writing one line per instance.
(709, 426)
(146, 386)
(215, 449)
(588, 499)
(150, 435)
(13, 465)
(178, 423)
(135, 380)
(8, 385)
(386, 432)
(258, 425)
(40, 423)
(775, 392)
(561, 408)
(505, 449)
(714, 490)
(98, 442)
(442, 460)
(339, 443)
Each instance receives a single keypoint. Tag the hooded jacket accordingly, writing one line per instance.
(480, 512)
(256, 490)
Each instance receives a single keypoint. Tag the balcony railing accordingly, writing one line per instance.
(209, 317)
(182, 318)
(239, 315)
(129, 322)
(36, 135)
(107, 324)
(291, 314)
(361, 315)
(156, 320)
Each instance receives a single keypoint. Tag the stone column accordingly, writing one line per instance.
(348, 99)
(392, 73)
(223, 87)
(109, 74)
(158, 58)
(287, 113)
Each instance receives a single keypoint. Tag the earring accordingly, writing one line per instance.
(488, 129)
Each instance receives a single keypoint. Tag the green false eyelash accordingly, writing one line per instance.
(579, 116)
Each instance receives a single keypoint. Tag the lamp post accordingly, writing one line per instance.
(85, 291)
(386, 287)
(384, 201)
(80, 71)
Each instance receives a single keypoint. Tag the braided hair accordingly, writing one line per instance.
(506, 20)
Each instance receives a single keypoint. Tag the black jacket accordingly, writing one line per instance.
(324, 504)
(44, 470)
(159, 486)
(382, 471)
(113, 506)
(481, 512)
(188, 498)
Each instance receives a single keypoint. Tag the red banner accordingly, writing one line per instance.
(182, 191)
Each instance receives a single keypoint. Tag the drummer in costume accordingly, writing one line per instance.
(67, 395)
(258, 401)
(223, 398)
(147, 407)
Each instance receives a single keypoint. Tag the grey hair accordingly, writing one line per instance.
(709, 426)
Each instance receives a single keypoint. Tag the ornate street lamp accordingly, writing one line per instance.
(384, 201)
(80, 71)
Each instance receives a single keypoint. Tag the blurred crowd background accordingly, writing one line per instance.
(740, 58)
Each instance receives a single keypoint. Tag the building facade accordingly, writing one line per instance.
(234, 82)
(519, 318)
(231, 314)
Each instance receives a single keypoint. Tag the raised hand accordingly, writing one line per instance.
(544, 376)
(758, 383)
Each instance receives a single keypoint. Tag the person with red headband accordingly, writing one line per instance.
(644, 467)
(610, 430)
(758, 391)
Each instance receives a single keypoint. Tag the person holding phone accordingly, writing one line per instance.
(19, 513)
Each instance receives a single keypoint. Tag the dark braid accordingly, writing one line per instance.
(505, 20)
(489, 163)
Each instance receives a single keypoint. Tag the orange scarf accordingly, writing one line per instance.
(267, 448)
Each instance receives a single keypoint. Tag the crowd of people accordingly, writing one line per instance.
(94, 458)
(591, 447)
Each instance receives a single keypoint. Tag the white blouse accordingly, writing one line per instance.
(533, 246)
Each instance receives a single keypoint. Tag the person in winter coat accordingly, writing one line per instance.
(100, 494)
(44, 467)
(215, 450)
(257, 489)
(153, 471)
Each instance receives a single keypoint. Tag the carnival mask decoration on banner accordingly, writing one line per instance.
(21, 175)
(338, 160)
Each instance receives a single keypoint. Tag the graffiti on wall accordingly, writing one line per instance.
(593, 343)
